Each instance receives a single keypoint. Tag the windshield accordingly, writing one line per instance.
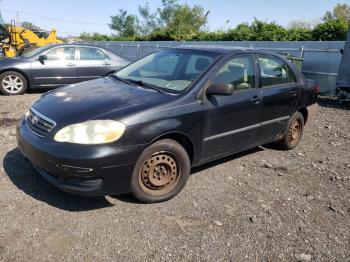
(172, 70)
(35, 51)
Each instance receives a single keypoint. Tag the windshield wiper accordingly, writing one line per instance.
(126, 81)
(144, 84)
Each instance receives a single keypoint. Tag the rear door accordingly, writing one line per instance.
(231, 122)
(92, 63)
(59, 68)
(280, 91)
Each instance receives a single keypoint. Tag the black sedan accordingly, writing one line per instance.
(143, 128)
(56, 65)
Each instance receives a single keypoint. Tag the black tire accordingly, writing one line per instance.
(290, 138)
(12, 83)
(157, 165)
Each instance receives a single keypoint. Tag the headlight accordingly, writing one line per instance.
(91, 132)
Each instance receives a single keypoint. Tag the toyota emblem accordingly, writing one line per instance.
(34, 120)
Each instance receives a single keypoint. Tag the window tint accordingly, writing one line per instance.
(61, 53)
(196, 63)
(275, 72)
(163, 66)
(87, 53)
(238, 71)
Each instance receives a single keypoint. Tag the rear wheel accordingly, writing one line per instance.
(12, 83)
(161, 172)
(293, 132)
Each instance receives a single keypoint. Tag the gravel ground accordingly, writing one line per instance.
(261, 205)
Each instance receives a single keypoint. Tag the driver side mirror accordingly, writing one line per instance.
(220, 89)
(42, 58)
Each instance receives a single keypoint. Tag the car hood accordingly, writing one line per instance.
(103, 98)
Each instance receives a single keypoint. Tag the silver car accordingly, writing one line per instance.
(56, 65)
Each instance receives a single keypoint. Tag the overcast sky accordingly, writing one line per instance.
(97, 13)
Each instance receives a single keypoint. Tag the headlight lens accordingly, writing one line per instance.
(91, 132)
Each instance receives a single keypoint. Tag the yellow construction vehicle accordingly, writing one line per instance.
(15, 39)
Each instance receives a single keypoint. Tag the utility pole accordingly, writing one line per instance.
(17, 19)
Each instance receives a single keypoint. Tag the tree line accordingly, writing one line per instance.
(180, 22)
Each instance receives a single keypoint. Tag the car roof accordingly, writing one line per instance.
(77, 44)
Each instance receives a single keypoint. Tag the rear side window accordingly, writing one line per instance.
(274, 71)
(238, 71)
(61, 53)
(87, 53)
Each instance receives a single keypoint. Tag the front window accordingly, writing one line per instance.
(61, 53)
(238, 71)
(172, 70)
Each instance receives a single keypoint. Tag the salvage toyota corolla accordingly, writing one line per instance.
(141, 129)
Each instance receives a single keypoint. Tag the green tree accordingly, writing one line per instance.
(331, 30)
(242, 32)
(340, 11)
(126, 25)
(300, 24)
(264, 31)
(167, 11)
(185, 22)
(149, 21)
(298, 34)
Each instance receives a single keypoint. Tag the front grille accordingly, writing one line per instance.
(38, 123)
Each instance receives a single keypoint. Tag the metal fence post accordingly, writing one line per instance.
(138, 51)
(302, 52)
(121, 49)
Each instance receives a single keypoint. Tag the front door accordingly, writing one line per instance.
(231, 122)
(57, 70)
(280, 92)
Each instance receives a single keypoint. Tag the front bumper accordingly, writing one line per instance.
(88, 170)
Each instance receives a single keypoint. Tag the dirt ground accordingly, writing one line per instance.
(260, 205)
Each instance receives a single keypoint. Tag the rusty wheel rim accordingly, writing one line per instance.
(159, 174)
(295, 132)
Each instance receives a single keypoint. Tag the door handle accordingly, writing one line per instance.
(293, 92)
(255, 99)
(106, 63)
(70, 64)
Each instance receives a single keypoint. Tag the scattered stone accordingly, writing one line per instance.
(280, 174)
(335, 178)
(252, 219)
(303, 257)
(268, 165)
(327, 126)
(218, 223)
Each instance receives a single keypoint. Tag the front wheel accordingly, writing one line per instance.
(161, 172)
(12, 83)
(293, 132)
